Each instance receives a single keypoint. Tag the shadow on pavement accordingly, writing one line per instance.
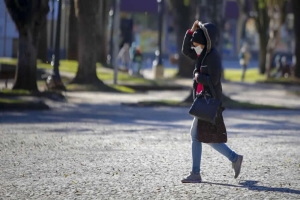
(164, 117)
(102, 114)
(252, 185)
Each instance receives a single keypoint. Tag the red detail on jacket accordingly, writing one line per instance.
(199, 86)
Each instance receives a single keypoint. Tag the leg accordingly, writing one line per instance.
(231, 155)
(244, 71)
(225, 150)
(196, 148)
(195, 177)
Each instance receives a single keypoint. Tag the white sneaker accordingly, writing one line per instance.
(237, 165)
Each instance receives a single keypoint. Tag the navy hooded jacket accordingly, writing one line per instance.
(209, 62)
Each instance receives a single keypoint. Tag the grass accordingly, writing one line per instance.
(11, 101)
(86, 87)
(71, 66)
(287, 81)
(105, 74)
(14, 92)
(252, 75)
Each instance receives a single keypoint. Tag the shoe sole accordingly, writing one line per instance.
(191, 181)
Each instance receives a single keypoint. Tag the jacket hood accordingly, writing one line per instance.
(211, 34)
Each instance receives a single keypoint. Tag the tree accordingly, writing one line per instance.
(262, 24)
(183, 12)
(243, 17)
(277, 14)
(29, 16)
(73, 33)
(102, 40)
(296, 7)
(89, 22)
(43, 46)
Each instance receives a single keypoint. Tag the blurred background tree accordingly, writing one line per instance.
(262, 25)
(184, 14)
(89, 14)
(73, 33)
(29, 16)
(42, 45)
(102, 38)
(296, 9)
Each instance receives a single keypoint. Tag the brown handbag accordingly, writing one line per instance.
(212, 133)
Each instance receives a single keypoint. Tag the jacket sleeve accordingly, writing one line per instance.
(186, 46)
(214, 71)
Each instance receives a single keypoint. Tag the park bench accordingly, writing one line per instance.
(7, 72)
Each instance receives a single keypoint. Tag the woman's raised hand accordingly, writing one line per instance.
(195, 26)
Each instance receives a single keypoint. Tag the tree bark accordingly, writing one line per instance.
(88, 24)
(28, 16)
(243, 16)
(263, 42)
(73, 33)
(296, 7)
(43, 44)
(262, 25)
(183, 17)
(102, 39)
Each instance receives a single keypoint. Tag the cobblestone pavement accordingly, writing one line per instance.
(99, 150)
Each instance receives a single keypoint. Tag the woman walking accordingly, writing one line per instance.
(199, 44)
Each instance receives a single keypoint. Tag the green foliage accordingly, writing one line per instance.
(186, 2)
(11, 101)
(14, 92)
(262, 4)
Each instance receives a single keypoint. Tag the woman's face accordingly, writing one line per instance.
(195, 44)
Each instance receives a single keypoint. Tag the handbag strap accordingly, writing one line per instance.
(211, 87)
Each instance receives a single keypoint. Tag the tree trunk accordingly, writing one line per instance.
(43, 46)
(296, 7)
(26, 68)
(184, 16)
(243, 16)
(88, 23)
(262, 25)
(28, 16)
(102, 40)
(73, 34)
(263, 41)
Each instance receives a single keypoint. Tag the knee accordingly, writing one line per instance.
(194, 136)
(194, 131)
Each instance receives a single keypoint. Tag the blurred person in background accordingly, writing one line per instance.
(137, 61)
(244, 57)
(124, 57)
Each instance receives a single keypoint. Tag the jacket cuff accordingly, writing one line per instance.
(190, 32)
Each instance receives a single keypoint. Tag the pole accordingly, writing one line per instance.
(55, 62)
(5, 26)
(116, 30)
(160, 29)
(158, 67)
(52, 27)
(55, 81)
(111, 42)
